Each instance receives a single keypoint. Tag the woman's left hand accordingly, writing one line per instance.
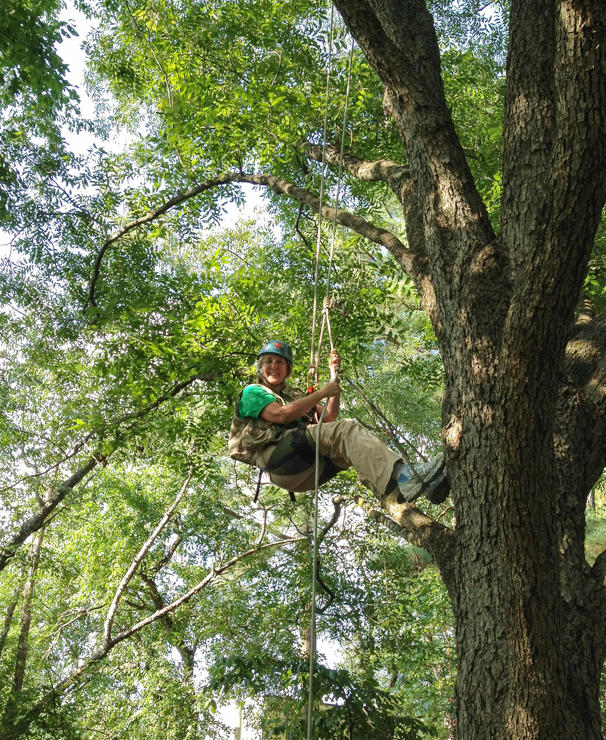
(334, 360)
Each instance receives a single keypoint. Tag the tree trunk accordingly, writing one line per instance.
(8, 620)
(523, 418)
(12, 703)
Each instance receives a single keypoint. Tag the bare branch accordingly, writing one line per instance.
(396, 175)
(337, 503)
(107, 627)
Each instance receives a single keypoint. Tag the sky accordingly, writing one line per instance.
(72, 54)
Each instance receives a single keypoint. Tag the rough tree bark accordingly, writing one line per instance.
(523, 416)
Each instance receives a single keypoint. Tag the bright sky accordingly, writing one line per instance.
(72, 54)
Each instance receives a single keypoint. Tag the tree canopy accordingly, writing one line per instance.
(140, 585)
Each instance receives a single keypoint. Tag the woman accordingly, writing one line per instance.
(276, 428)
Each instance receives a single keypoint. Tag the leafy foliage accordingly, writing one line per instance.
(138, 377)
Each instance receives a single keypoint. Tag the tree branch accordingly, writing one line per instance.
(580, 429)
(424, 532)
(344, 218)
(280, 187)
(217, 570)
(35, 521)
(397, 176)
(400, 42)
(598, 569)
(137, 560)
(446, 221)
(147, 218)
(554, 140)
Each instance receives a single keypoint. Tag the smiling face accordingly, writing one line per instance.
(275, 369)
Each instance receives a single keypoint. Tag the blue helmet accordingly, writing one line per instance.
(277, 347)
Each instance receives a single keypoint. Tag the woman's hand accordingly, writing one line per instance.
(332, 389)
(334, 362)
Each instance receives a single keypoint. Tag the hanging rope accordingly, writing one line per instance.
(312, 361)
(315, 354)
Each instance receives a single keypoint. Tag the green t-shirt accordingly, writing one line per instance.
(254, 399)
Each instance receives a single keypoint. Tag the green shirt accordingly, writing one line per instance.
(254, 399)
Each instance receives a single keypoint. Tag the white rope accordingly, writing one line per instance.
(315, 359)
(313, 362)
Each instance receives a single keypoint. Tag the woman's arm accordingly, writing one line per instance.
(334, 402)
(277, 413)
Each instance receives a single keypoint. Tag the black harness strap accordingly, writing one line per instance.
(258, 487)
(256, 497)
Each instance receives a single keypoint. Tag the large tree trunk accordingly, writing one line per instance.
(523, 416)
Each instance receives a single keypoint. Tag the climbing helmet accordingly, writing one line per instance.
(277, 347)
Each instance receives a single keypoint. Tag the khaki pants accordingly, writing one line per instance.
(346, 443)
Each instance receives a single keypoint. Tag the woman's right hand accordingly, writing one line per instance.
(331, 389)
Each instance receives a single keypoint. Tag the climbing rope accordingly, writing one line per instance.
(312, 362)
(312, 377)
(328, 304)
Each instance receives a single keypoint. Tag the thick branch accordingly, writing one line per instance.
(344, 218)
(400, 42)
(424, 532)
(581, 410)
(280, 187)
(395, 175)
(446, 222)
(554, 152)
(554, 140)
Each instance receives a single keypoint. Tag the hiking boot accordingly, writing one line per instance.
(426, 478)
(437, 492)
